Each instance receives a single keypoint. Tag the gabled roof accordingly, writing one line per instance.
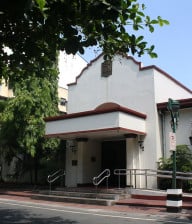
(141, 68)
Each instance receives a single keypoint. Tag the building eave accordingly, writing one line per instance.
(107, 120)
(97, 111)
(184, 103)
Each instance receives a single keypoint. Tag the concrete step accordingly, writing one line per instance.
(94, 190)
(79, 194)
(72, 199)
(100, 196)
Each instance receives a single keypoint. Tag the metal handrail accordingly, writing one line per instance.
(105, 174)
(54, 176)
(150, 172)
(121, 172)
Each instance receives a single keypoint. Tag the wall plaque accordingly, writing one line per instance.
(106, 68)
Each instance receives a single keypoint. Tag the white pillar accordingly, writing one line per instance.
(131, 158)
(71, 165)
(81, 149)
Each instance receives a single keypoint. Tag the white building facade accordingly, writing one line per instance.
(117, 119)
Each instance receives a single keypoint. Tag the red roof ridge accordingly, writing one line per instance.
(98, 111)
(141, 68)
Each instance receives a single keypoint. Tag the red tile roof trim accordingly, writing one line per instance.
(97, 130)
(184, 103)
(140, 68)
(97, 111)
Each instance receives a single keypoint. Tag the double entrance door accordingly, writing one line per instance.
(114, 157)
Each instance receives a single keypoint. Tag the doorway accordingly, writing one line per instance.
(114, 157)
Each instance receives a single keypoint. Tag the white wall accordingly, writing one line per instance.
(128, 86)
(92, 161)
(183, 131)
(166, 88)
(71, 171)
(132, 160)
(88, 157)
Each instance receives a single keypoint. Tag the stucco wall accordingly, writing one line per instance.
(88, 158)
(168, 88)
(129, 86)
(136, 88)
(183, 131)
(5, 90)
(92, 161)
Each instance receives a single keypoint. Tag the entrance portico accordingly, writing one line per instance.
(89, 135)
(110, 120)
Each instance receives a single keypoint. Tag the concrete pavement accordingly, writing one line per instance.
(133, 205)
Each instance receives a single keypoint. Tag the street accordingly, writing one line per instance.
(12, 211)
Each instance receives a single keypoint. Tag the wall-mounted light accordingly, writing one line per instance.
(141, 142)
(63, 101)
(141, 145)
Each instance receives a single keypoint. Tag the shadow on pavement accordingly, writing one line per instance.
(8, 216)
(176, 219)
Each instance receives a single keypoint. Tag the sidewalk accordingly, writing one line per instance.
(140, 205)
(151, 203)
(153, 198)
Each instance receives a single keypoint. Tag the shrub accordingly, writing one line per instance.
(183, 164)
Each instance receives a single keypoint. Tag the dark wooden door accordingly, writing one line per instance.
(114, 157)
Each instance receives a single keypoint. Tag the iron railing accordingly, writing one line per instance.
(54, 176)
(104, 175)
(133, 173)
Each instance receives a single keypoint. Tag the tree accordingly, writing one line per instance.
(22, 121)
(35, 29)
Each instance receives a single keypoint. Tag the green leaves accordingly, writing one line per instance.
(183, 163)
(151, 52)
(183, 160)
(45, 27)
(161, 21)
(22, 116)
(41, 4)
(150, 23)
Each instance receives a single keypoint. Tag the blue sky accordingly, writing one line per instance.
(173, 43)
